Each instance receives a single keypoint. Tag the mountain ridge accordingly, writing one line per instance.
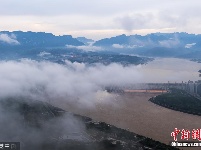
(20, 39)
(177, 44)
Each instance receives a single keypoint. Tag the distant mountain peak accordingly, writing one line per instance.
(31, 39)
(85, 40)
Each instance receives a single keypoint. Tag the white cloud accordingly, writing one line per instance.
(70, 82)
(9, 39)
(173, 42)
(41, 54)
(86, 47)
(119, 46)
(190, 45)
(77, 82)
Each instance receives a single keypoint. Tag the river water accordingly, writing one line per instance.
(170, 69)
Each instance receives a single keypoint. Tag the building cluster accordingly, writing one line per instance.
(193, 87)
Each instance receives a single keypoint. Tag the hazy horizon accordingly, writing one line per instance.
(124, 33)
(99, 19)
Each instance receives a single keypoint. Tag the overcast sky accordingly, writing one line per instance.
(101, 18)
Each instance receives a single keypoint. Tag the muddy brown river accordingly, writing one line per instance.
(133, 111)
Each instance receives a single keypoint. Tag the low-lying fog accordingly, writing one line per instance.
(170, 69)
(77, 84)
(46, 80)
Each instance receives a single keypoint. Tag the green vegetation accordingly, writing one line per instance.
(179, 100)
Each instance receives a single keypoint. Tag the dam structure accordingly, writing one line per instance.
(193, 88)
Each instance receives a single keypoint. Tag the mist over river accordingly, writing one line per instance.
(170, 69)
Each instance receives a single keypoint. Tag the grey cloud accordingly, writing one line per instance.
(173, 19)
(135, 21)
(107, 18)
(89, 7)
(152, 20)
(59, 7)
(62, 7)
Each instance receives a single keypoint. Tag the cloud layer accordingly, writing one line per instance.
(79, 82)
(73, 81)
(9, 39)
(98, 19)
